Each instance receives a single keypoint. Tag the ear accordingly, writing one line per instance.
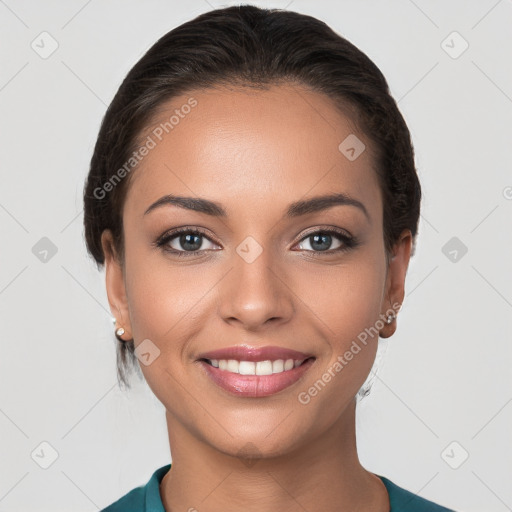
(116, 289)
(395, 280)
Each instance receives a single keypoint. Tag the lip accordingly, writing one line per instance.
(255, 354)
(255, 386)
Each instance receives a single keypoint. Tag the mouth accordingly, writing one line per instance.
(255, 379)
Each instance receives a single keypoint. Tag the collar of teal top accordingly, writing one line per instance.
(400, 499)
(153, 501)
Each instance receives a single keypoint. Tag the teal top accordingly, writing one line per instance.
(146, 498)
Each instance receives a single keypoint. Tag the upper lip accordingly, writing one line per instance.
(255, 354)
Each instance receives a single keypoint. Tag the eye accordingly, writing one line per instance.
(321, 241)
(184, 241)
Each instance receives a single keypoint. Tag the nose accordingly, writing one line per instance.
(255, 293)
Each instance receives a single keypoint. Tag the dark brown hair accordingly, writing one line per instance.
(248, 46)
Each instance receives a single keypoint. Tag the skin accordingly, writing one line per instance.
(255, 152)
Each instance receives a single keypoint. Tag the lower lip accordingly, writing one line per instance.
(256, 385)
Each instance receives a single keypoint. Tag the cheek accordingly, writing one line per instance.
(346, 306)
(162, 302)
(159, 297)
(348, 297)
(165, 299)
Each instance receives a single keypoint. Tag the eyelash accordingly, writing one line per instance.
(349, 242)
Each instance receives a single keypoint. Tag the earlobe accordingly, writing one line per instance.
(115, 286)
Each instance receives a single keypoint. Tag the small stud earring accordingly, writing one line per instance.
(119, 333)
(390, 318)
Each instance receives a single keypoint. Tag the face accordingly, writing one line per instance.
(262, 274)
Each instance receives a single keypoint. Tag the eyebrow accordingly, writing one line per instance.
(296, 209)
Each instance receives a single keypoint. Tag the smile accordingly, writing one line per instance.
(255, 379)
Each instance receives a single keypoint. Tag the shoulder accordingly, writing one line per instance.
(133, 501)
(144, 498)
(402, 500)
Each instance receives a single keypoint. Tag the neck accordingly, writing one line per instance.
(323, 474)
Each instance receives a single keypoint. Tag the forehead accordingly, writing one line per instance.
(240, 146)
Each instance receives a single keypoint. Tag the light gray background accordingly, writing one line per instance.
(447, 373)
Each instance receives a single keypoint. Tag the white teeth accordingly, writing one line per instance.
(258, 368)
(278, 366)
(233, 366)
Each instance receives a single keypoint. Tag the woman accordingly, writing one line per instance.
(253, 197)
